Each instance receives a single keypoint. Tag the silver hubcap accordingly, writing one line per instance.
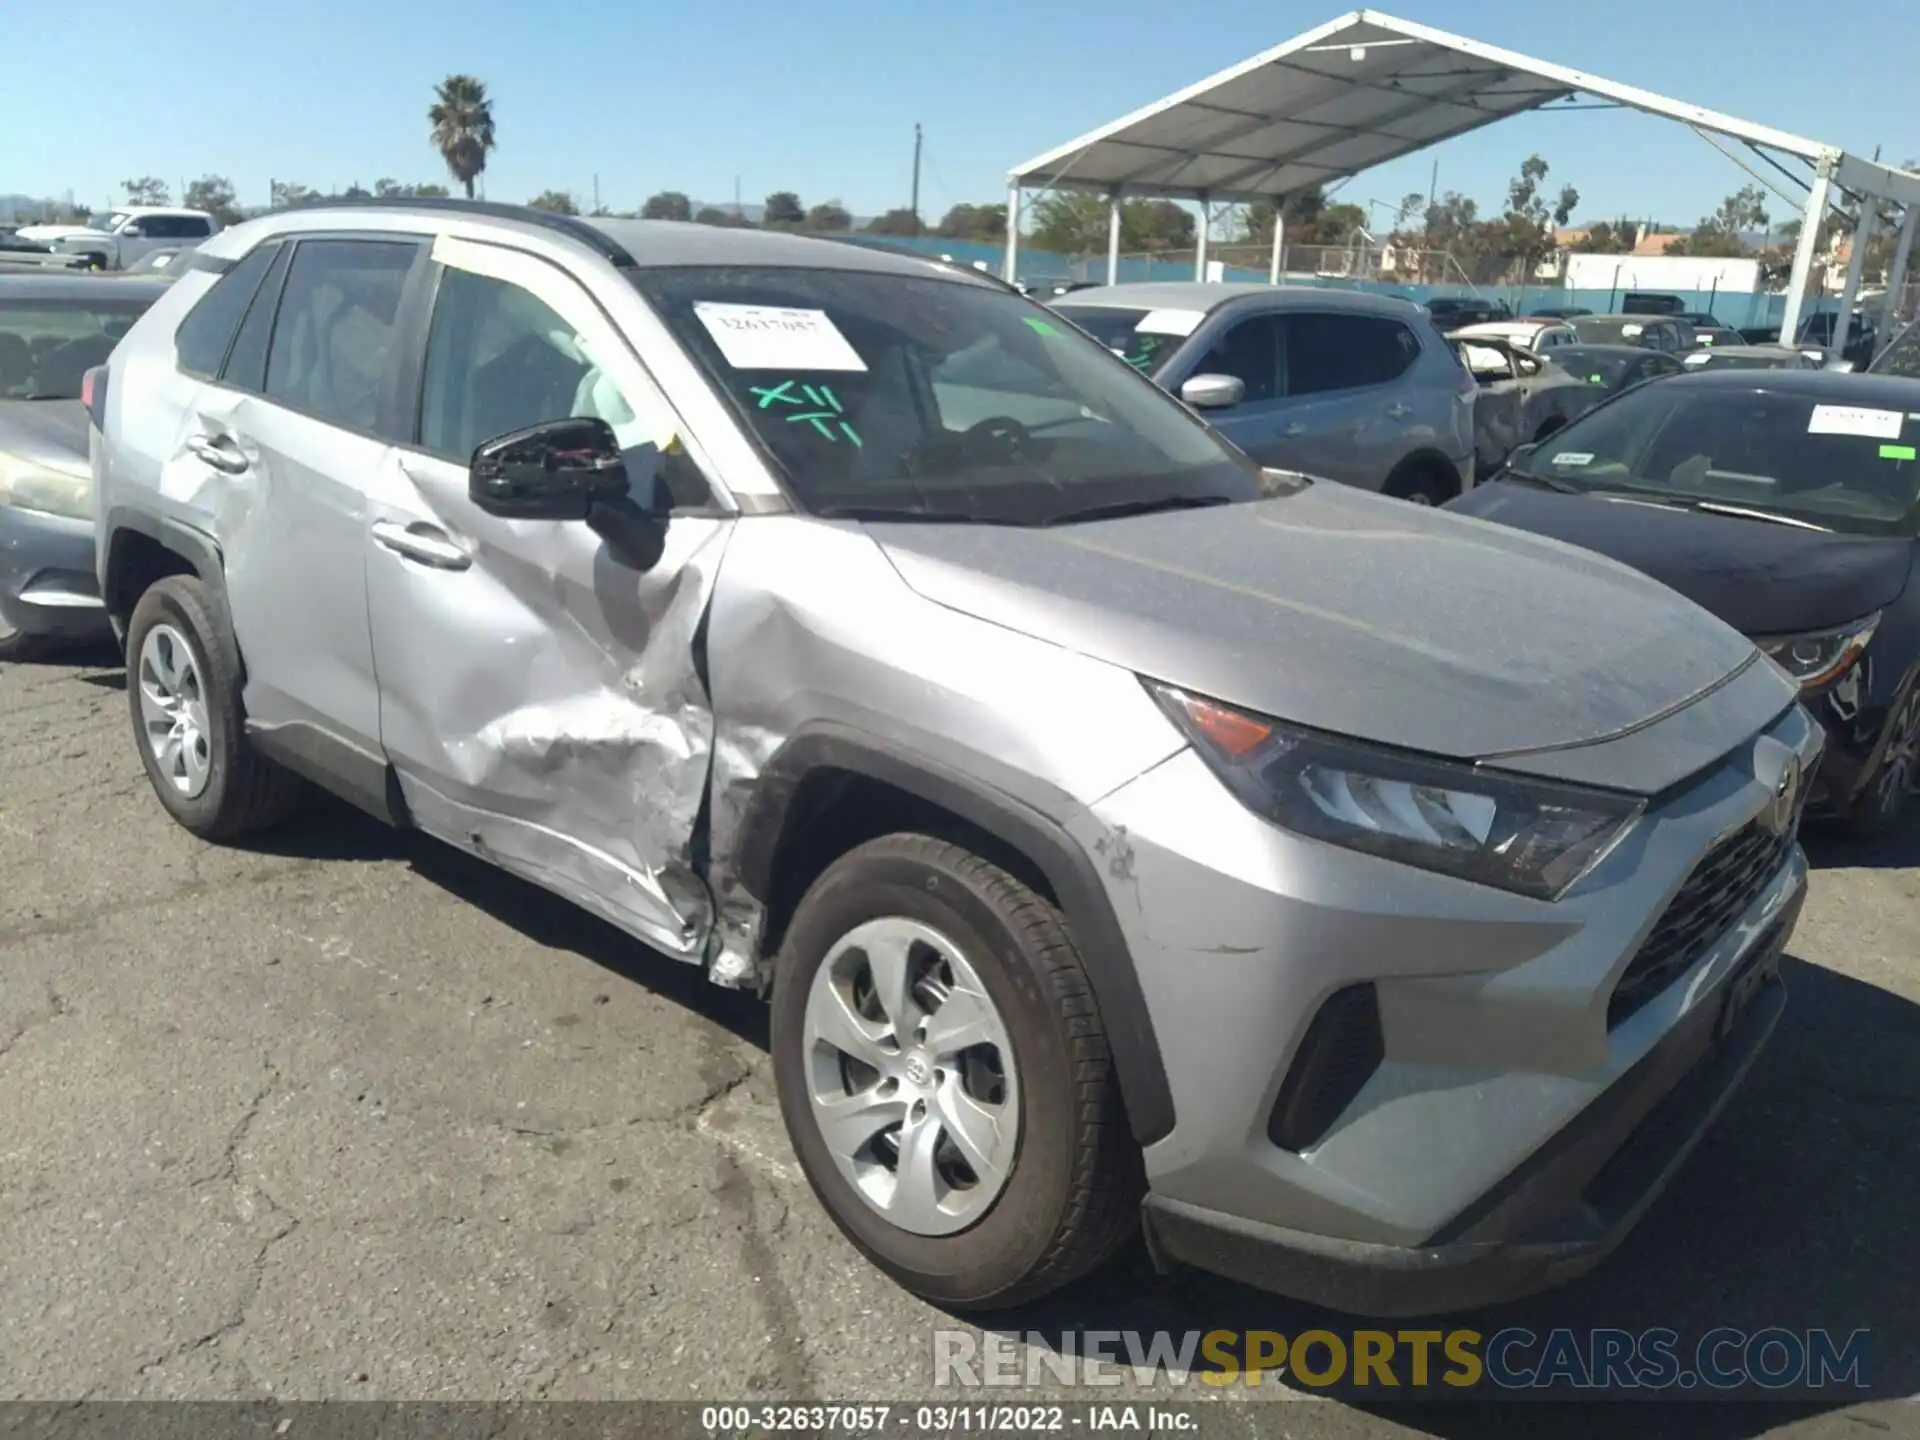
(910, 1076)
(173, 710)
(1900, 771)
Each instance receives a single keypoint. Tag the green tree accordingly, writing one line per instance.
(1722, 234)
(900, 221)
(1527, 230)
(829, 218)
(783, 207)
(463, 129)
(1608, 237)
(147, 190)
(213, 194)
(1076, 223)
(714, 215)
(286, 192)
(394, 190)
(667, 205)
(974, 222)
(558, 202)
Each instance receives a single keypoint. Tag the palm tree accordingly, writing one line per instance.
(462, 119)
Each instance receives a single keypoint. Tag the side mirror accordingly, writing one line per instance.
(134, 230)
(556, 470)
(1519, 453)
(1213, 392)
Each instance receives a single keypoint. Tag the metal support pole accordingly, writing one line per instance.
(1897, 275)
(1013, 233)
(1850, 291)
(1200, 250)
(1113, 236)
(1276, 266)
(1810, 221)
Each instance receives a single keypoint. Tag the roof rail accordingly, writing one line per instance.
(572, 226)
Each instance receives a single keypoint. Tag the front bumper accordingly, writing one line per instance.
(1549, 1222)
(1500, 1090)
(47, 581)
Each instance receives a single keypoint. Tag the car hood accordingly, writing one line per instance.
(48, 432)
(1347, 612)
(1759, 577)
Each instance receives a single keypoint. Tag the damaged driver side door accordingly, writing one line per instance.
(540, 698)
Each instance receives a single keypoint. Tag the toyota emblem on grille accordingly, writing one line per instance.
(1786, 797)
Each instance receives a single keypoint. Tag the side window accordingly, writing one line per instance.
(333, 340)
(1250, 352)
(499, 358)
(246, 366)
(200, 344)
(194, 227)
(1902, 357)
(1346, 352)
(165, 227)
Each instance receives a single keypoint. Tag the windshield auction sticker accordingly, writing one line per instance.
(774, 337)
(1855, 420)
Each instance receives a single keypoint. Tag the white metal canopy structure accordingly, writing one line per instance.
(1367, 88)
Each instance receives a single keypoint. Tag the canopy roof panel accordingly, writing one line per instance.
(1357, 92)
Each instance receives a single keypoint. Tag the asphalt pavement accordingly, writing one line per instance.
(347, 1115)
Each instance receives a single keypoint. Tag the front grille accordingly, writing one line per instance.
(1720, 889)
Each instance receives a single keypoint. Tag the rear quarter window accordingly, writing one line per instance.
(201, 343)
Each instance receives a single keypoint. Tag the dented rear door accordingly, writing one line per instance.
(540, 698)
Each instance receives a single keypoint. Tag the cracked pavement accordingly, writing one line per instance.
(347, 1115)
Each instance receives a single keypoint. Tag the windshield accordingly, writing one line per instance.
(46, 346)
(897, 397)
(1841, 467)
(1596, 367)
(1145, 339)
(108, 221)
(1902, 357)
(1610, 329)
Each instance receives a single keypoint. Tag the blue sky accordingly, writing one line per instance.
(821, 98)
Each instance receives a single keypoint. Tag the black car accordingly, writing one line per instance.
(1787, 502)
(1615, 367)
(1557, 312)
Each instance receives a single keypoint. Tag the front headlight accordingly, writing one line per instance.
(1532, 837)
(1822, 655)
(28, 486)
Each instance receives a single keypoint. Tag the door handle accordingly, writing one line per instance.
(219, 451)
(1295, 428)
(421, 542)
(1398, 411)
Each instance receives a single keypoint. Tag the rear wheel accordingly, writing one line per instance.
(945, 1079)
(1889, 795)
(1422, 482)
(183, 685)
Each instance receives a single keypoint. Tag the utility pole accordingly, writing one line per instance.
(915, 207)
(1433, 184)
(596, 194)
(738, 213)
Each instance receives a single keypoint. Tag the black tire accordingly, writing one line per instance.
(1877, 812)
(1073, 1195)
(18, 645)
(1421, 482)
(245, 791)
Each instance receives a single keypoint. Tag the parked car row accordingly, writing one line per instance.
(118, 239)
(1369, 901)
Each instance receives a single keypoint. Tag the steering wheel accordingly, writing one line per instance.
(1002, 430)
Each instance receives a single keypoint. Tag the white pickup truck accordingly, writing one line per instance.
(114, 240)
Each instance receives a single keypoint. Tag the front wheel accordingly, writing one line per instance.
(1888, 797)
(945, 1079)
(1419, 483)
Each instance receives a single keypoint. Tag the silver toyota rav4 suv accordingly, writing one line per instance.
(1376, 903)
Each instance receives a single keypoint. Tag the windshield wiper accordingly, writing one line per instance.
(1744, 513)
(902, 512)
(1120, 509)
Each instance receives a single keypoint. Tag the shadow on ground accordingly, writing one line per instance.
(1796, 1211)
